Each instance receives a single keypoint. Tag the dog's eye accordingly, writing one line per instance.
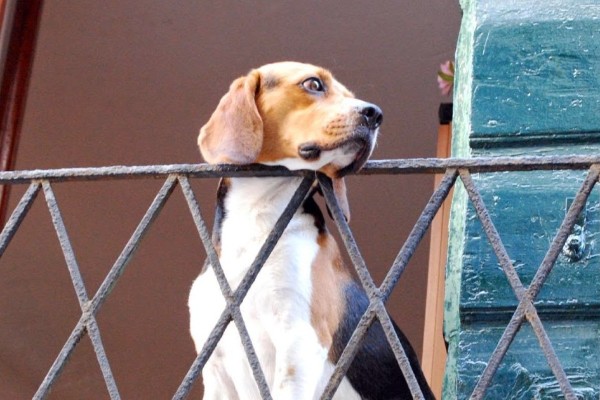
(313, 85)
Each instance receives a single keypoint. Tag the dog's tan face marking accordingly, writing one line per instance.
(305, 106)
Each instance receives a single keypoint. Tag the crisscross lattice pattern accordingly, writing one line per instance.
(174, 175)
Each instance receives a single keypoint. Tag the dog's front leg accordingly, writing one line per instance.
(299, 361)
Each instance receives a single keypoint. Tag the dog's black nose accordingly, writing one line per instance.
(372, 115)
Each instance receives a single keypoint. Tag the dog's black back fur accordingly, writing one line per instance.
(375, 373)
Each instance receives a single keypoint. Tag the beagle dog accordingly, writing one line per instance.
(304, 305)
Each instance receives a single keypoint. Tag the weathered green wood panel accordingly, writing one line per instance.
(528, 83)
(536, 71)
(527, 209)
(525, 375)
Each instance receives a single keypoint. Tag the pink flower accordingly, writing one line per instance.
(445, 78)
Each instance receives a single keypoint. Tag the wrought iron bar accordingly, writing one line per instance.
(479, 164)
(549, 352)
(231, 306)
(348, 354)
(358, 336)
(353, 251)
(526, 299)
(65, 244)
(94, 334)
(492, 234)
(202, 358)
(274, 236)
(379, 295)
(235, 299)
(91, 308)
(79, 286)
(565, 229)
(123, 260)
(17, 216)
(373, 167)
(61, 360)
(399, 353)
(520, 292)
(418, 232)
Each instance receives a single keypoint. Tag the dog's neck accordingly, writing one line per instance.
(253, 204)
(260, 196)
(247, 211)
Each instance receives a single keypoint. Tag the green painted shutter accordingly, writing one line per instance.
(528, 83)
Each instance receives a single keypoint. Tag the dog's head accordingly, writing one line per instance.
(294, 115)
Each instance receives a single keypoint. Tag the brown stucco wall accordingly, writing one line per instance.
(130, 83)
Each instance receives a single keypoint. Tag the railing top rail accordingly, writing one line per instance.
(373, 167)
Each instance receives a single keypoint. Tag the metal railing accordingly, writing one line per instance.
(453, 169)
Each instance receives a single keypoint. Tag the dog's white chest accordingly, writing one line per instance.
(288, 267)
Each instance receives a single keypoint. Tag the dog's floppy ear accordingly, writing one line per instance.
(234, 132)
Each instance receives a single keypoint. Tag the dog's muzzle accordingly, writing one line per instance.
(360, 141)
